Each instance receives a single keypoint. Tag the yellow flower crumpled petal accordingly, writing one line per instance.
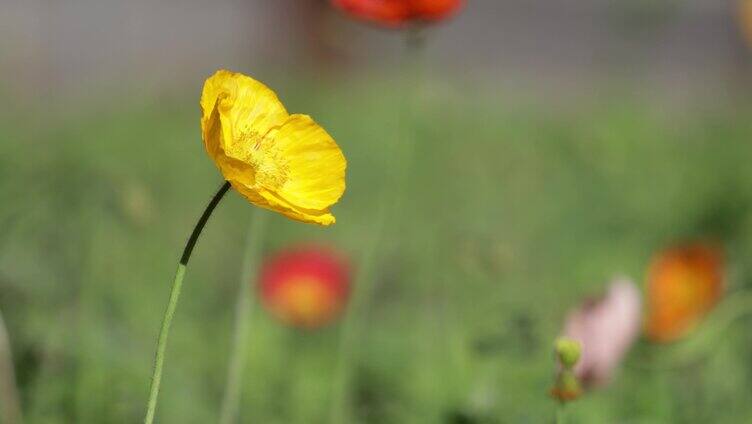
(286, 163)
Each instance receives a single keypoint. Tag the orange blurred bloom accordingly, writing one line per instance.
(683, 284)
(305, 286)
(395, 13)
(745, 20)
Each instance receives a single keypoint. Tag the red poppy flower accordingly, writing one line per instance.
(305, 286)
(399, 12)
(683, 284)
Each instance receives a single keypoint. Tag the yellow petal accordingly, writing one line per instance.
(267, 200)
(236, 111)
(313, 163)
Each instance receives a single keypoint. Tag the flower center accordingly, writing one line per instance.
(270, 166)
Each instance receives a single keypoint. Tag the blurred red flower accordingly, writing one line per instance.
(305, 286)
(396, 13)
(683, 284)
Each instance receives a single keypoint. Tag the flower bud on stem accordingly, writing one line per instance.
(566, 387)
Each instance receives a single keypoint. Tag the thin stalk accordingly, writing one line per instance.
(560, 419)
(10, 403)
(398, 157)
(84, 343)
(339, 412)
(243, 304)
(172, 304)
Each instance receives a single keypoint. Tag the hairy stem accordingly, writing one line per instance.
(177, 285)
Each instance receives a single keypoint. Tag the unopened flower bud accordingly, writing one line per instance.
(568, 352)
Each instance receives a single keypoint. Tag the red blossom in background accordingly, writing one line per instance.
(684, 283)
(395, 13)
(745, 20)
(305, 286)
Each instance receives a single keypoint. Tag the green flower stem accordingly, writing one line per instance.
(398, 158)
(85, 341)
(10, 405)
(239, 348)
(560, 413)
(177, 285)
(351, 328)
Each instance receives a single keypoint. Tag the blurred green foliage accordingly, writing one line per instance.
(513, 212)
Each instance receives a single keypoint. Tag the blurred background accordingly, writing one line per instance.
(548, 147)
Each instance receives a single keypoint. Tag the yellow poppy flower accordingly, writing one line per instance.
(282, 162)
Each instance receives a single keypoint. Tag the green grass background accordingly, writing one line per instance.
(513, 210)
